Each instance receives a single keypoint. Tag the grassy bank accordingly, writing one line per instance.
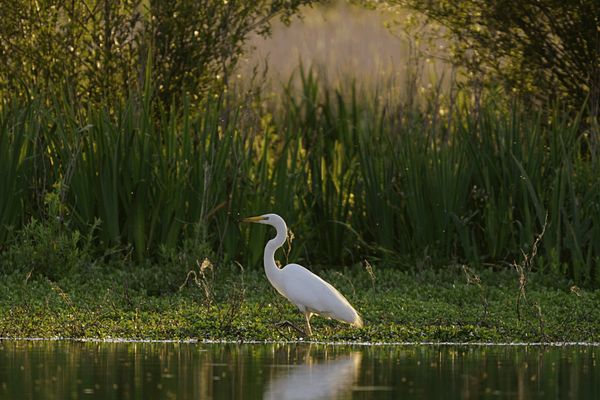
(457, 304)
(112, 192)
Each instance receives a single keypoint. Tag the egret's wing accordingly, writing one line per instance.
(311, 293)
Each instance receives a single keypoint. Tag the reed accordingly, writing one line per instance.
(355, 174)
(20, 134)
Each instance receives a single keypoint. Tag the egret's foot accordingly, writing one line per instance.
(291, 325)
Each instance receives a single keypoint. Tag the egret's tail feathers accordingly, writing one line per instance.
(350, 316)
(358, 321)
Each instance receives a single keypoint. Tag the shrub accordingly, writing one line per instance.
(101, 48)
(49, 247)
(545, 49)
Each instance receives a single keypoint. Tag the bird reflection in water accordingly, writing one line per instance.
(326, 379)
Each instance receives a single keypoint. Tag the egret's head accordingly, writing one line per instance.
(267, 219)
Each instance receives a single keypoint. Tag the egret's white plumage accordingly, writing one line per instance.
(310, 293)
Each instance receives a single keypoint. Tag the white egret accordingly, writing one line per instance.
(310, 293)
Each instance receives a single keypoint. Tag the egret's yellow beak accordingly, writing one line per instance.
(253, 219)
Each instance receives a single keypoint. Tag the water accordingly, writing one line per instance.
(98, 370)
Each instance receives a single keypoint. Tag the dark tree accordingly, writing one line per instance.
(546, 49)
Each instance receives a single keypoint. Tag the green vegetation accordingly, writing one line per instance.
(543, 49)
(101, 51)
(451, 183)
(127, 156)
(224, 302)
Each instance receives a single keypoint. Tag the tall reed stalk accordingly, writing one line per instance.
(19, 132)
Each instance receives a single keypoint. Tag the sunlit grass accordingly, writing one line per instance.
(399, 307)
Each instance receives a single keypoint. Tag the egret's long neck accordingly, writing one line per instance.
(271, 268)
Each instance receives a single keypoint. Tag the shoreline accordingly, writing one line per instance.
(290, 342)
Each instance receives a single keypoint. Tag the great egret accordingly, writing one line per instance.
(310, 293)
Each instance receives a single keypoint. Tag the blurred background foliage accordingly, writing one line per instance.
(132, 128)
(542, 50)
(98, 50)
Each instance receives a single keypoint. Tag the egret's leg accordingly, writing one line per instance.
(307, 315)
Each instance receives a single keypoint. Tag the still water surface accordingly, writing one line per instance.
(98, 370)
